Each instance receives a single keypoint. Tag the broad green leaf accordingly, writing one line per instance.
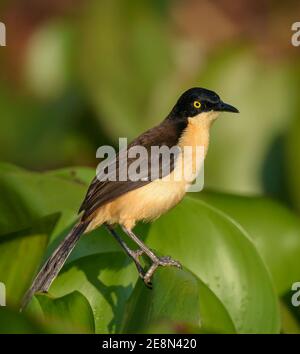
(100, 241)
(21, 253)
(289, 323)
(106, 280)
(179, 299)
(273, 228)
(26, 196)
(8, 167)
(12, 322)
(82, 175)
(214, 317)
(71, 313)
(219, 252)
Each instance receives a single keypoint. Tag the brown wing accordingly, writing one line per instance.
(101, 192)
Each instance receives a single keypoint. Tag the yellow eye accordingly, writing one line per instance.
(197, 104)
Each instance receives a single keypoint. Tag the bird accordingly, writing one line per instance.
(126, 202)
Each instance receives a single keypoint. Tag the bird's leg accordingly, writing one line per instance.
(156, 261)
(131, 253)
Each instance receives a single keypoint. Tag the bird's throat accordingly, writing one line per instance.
(197, 132)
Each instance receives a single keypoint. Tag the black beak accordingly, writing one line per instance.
(224, 107)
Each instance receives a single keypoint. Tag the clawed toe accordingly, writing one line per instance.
(163, 262)
(169, 262)
(148, 282)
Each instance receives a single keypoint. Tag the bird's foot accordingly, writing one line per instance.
(159, 261)
(168, 262)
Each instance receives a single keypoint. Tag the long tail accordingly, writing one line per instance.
(54, 264)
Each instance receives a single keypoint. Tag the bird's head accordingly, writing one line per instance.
(200, 103)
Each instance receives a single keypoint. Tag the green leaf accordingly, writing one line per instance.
(12, 322)
(100, 241)
(26, 196)
(214, 317)
(219, 252)
(289, 323)
(106, 280)
(224, 260)
(81, 175)
(290, 313)
(71, 313)
(273, 228)
(179, 299)
(8, 167)
(21, 253)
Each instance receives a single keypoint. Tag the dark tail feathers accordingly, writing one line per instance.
(54, 264)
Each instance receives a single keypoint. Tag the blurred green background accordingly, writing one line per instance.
(79, 74)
